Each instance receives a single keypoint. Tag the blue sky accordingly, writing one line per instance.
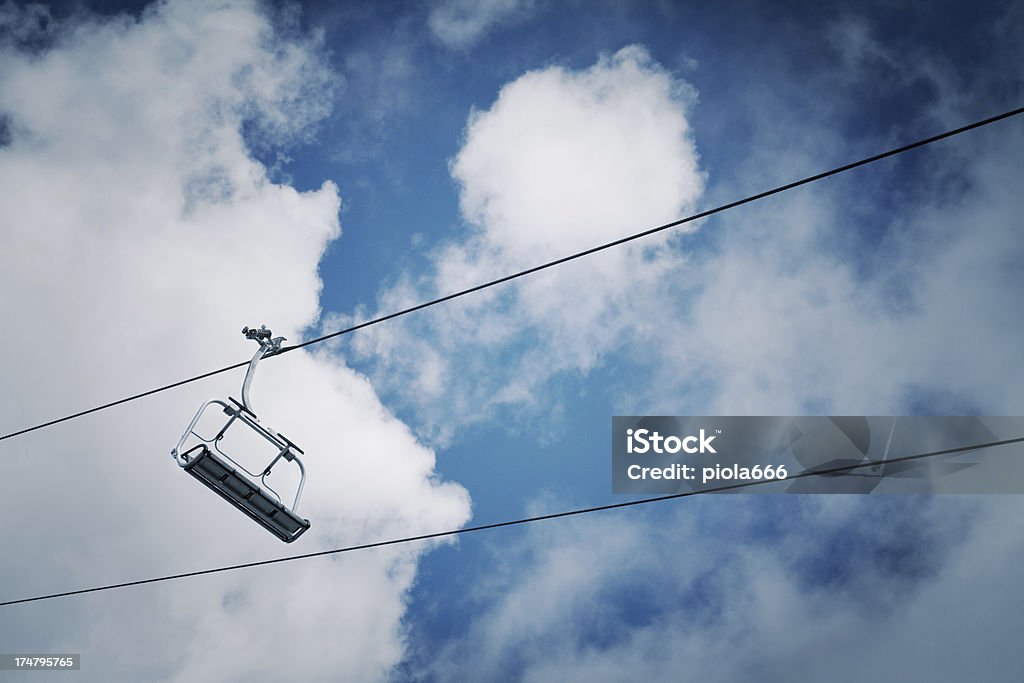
(315, 164)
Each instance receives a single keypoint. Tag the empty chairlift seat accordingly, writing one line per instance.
(203, 457)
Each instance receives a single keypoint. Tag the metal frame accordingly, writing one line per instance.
(250, 491)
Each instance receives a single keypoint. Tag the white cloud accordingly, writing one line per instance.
(813, 301)
(816, 301)
(839, 588)
(822, 300)
(139, 235)
(562, 161)
(462, 23)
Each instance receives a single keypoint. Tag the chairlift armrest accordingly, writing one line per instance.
(241, 407)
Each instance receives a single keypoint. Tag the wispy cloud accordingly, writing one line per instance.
(461, 23)
(738, 589)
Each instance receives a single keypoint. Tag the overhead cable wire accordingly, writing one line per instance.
(508, 523)
(544, 266)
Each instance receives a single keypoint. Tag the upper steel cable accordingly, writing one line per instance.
(565, 259)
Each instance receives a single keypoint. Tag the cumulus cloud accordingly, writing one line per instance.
(814, 301)
(462, 23)
(140, 234)
(563, 160)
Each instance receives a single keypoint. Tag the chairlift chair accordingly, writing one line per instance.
(248, 491)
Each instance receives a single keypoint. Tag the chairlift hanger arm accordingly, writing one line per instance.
(269, 346)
